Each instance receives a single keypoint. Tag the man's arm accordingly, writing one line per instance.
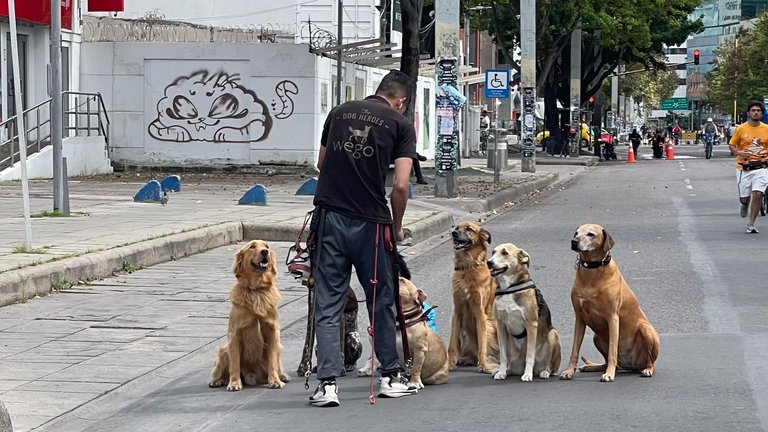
(399, 196)
(321, 158)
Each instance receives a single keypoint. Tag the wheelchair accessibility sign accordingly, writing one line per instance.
(497, 83)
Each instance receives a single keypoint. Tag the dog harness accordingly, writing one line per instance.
(419, 315)
(522, 286)
(592, 264)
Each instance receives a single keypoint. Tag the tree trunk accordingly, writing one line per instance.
(409, 61)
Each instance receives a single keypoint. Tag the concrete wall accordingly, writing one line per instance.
(85, 156)
(183, 104)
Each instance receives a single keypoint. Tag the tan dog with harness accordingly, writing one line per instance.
(603, 301)
(528, 344)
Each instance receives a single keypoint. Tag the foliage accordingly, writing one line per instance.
(627, 31)
(648, 87)
(740, 69)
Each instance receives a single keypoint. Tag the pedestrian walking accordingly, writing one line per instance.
(750, 144)
(356, 228)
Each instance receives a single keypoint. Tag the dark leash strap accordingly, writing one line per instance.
(391, 246)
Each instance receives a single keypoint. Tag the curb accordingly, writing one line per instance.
(516, 192)
(18, 285)
(38, 280)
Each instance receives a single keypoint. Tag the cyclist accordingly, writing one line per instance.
(710, 133)
(485, 130)
(750, 144)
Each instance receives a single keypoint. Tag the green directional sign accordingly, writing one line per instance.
(673, 104)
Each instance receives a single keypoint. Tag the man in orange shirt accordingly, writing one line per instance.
(750, 144)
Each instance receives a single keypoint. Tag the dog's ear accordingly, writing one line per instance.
(237, 266)
(272, 261)
(486, 235)
(607, 241)
(422, 296)
(523, 258)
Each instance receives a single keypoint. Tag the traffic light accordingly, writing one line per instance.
(591, 102)
(696, 53)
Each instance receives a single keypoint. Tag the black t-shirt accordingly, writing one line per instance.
(361, 139)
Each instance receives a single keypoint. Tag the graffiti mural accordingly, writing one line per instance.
(217, 108)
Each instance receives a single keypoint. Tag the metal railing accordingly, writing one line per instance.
(84, 114)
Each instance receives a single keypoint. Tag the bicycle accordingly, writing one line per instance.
(764, 203)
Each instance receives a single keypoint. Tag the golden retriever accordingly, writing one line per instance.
(473, 327)
(430, 360)
(603, 301)
(253, 352)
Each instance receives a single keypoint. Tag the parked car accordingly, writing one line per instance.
(586, 136)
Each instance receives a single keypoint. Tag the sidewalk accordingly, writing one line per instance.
(108, 232)
(74, 353)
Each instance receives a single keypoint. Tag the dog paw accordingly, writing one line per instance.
(606, 378)
(235, 385)
(284, 378)
(500, 375)
(567, 374)
(544, 375)
(485, 369)
(646, 373)
(216, 383)
(364, 372)
(527, 377)
(276, 384)
(417, 382)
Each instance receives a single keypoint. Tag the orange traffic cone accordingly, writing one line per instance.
(631, 154)
(670, 151)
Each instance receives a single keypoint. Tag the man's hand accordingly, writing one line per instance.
(400, 234)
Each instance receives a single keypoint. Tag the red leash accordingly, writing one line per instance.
(374, 282)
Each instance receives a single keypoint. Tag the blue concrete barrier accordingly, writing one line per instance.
(149, 193)
(308, 188)
(171, 183)
(256, 195)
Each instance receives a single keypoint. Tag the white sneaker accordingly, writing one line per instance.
(751, 229)
(396, 386)
(326, 395)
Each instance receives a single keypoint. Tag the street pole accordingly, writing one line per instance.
(339, 37)
(20, 127)
(575, 93)
(528, 81)
(496, 156)
(465, 112)
(56, 110)
(446, 73)
(614, 100)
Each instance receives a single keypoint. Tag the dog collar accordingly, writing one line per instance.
(592, 264)
(522, 286)
(420, 315)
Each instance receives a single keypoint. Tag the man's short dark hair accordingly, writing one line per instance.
(757, 104)
(394, 84)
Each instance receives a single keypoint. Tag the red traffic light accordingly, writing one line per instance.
(696, 53)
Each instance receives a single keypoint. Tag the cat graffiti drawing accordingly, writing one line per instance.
(212, 108)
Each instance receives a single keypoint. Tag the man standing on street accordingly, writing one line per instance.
(359, 141)
(750, 144)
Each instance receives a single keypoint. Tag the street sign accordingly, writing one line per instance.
(497, 83)
(673, 104)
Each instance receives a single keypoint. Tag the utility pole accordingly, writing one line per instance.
(56, 110)
(575, 93)
(528, 81)
(20, 127)
(339, 37)
(446, 73)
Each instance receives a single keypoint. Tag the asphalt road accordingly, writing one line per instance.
(679, 243)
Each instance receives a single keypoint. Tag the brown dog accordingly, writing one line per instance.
(430, 360)
(473, 327)
(253, 352)
(603, 301)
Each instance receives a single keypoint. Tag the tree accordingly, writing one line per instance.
(648, 87)
(409, 60)
(739, 73)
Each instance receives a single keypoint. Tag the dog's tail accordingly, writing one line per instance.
(587, 362)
